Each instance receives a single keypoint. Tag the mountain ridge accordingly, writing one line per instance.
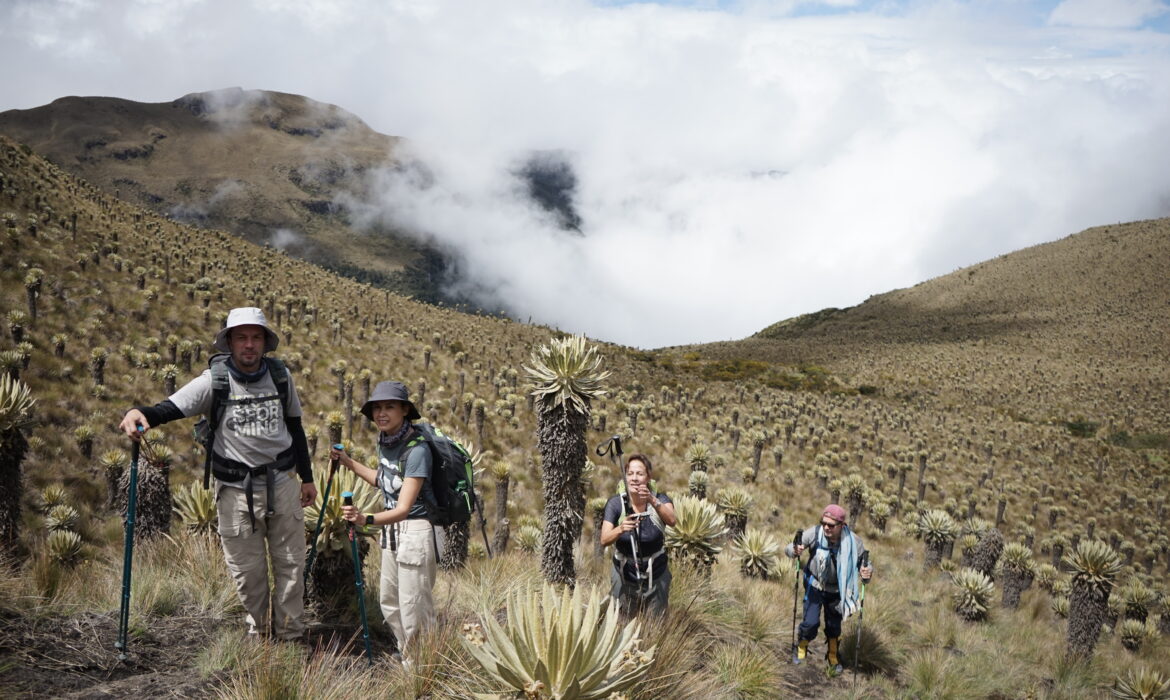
(1101, 296)
(271, 167)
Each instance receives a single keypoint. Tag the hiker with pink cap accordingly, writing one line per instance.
(831, 576)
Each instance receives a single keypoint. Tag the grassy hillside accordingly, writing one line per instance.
(1067, 331)
(268, 166)
(124, 285)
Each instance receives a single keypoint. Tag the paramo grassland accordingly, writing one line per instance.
(985, 430)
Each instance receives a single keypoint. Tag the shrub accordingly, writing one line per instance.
(696, 535)
(697, 484)
(759, 554)
(1133, 633)
(560, 646)
(195, 507)
(972, 596)
(528, 538)
(64, 547)
(1094, 565)
(1142, 685)
(61, 517)
(1017, 571)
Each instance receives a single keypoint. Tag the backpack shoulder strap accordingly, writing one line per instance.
(220, 390)
(279, 373)
(417, 436)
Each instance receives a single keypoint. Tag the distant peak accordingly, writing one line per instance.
(294, 113)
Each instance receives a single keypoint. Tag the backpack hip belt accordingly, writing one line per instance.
(231, 471)
(620, 560)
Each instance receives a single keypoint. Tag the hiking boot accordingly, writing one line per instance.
(831, 650)
(801, 652)
(835, 666)
(407, 664)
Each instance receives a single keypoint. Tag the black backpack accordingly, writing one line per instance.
(452, 475)
(220, 390)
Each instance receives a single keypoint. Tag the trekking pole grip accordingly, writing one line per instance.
(347, 499)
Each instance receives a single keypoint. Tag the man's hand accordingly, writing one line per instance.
(308, 494)
(134, 424)
(866, 573)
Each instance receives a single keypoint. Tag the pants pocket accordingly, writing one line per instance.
(232, 512)
(412, 548)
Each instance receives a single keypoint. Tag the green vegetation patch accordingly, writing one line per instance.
(1140, 441)
(802, 378)
(798, 324)
(733, 370)
(1082, 428)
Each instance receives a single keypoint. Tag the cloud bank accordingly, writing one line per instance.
(734, 165)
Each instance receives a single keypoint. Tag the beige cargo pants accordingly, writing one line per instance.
(279, 538)
(408, 576)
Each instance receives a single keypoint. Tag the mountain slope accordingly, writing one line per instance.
(126, 296)
(267, 166)
(1057, 331)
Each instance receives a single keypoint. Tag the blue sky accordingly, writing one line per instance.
(915, 138)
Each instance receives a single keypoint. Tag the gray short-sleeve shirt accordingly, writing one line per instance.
(253, 433)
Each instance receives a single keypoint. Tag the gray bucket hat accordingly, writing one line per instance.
(390, 391)
(246, 316)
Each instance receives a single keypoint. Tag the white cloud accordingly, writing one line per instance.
(910, 142)
(282, 238)
(1107, 13)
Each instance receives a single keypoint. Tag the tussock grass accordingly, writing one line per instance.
(936, 673)
(280, 670)
(747, 673)
(484, 584)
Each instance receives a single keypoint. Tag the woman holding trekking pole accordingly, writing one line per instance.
(409, 545)
(634, 522)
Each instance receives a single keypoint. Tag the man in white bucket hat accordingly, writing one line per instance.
(255, 440)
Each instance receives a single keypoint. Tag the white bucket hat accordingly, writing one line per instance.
(246, 316)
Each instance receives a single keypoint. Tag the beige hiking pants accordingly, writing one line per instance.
(408, 576)
(279, 538)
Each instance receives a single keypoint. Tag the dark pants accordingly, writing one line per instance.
(634, 598)
(814, 600)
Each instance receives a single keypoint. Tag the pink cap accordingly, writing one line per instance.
(835, 512)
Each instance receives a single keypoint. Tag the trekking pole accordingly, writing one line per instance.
(860, 620)
(128, 552)
(333, 463)
(795, 588)
(613, 448)
(357, 580)
(482, 524)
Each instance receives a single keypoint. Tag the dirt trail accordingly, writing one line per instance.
(75, 657)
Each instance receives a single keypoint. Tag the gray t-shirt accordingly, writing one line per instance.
(253, 433)
(391, 472)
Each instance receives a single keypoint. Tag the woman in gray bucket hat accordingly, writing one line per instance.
(408, 541)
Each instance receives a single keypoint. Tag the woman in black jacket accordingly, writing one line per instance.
(634, 522)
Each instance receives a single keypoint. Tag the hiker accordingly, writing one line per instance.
(830, 580)
(409, 542)
(257, 443)
(634, 522)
